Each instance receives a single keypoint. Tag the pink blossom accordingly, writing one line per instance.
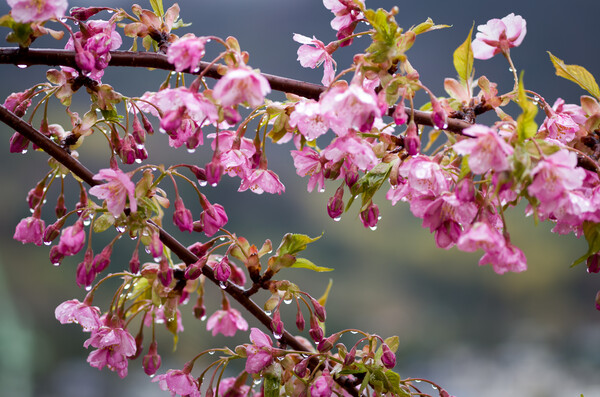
(72, 239)
(179, 382)
(115, 191)
(73, 311)
(262, 180)
(312, 53)
(235, 153)
(30, 230)
(226, 322)
(507, 258)
(228, 388)
(186, 52)
(309, 120)
(260, 353)
(444, 216)
(308, 162)
(241, 85)
(353, 149)
(554, 175)
(370, 216)
(498, 35)
(486, 150)
(25, 11)
(350, 107)
(213, 218)
(560, 126)
(151, 361)
(322, 385)
(114, 344)
(347, 14)
(480, 235)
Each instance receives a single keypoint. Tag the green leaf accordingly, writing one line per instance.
(394, 382)
(463, 58)
(272, 386)
(303, 263)
(103, 222)
(526, 125)
(157, 7)
(370, 183)
(323, 299)
(427, 26)
(577, 74)
(294, 243)
(591, 232)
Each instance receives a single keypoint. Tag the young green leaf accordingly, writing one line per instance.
(577, 74)
(463, 58)
(303, 263)
(526, 125)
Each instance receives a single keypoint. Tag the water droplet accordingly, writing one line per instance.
(322, 190)
(63, 20)
(287, 301)
(222, 239)
(445, 126)
(162, 130)
(211, 352)
(22, 66)
(257, 381)
(222, 285)
(435, 127)
(418, 381)
(120, 229)
(152, 376)
(47, 242)
(277, 336)
(270, 251)
(56, 264)
(31, 210)
(536, 98)
(191, 150)
(433, 387)
(279, 358)
(213, 184)
(110, 11)
(304, 355)
(88, 288)
(203, 318)
(138, 161)
(268, 312)
(87, 221)
(134, 237)
(147, 249)
(202, 183)
(353, 332)
(196, 69)
(77, 23)
(373, 227)
(23, 151)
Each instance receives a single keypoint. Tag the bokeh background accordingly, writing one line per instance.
(474, 332)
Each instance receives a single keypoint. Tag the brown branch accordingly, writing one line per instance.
(53, 57)
(237, 293)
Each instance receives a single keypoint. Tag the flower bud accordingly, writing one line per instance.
(172, 119)
(155, 246)
(388, 358)
(182, 217)
(277, 325)
(300, 320)
(319, 309)
(593, 263)
(438, 114)
(134, 262)
(60, 210)
(147, 124)
(335, 205)
(35, 195)
(301, 369)
(56, 256)
(350, 357)
(412, 142)
(199, 309)
(222, 270)
(465, 190)
(351, 176)
(213, 171)
(399, 115)
(316, 332)
(151, 361)
(18, 143)
(598, 301)
(370, 216)
(327, 344)
(194, 270)
(102, 260)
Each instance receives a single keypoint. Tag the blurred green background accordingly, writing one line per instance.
(474, 332)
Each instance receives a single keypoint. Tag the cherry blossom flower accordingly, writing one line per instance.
(260, 353)
(72, 239)
(73, 311)
(179, 382)
(262, 180)
(30, 230)
(321, 387)
(498, 35)
(347, 14)
(554, 175)
(480, 235)
(308, 119)
(115, 191)
(308, 162)
(228, 388)
(114, 344)
(186, 52)
(226, 322)
(445, 215)
(354, 150)
(487, 151)
(506, 258)
(312, 53)
(350, 107)
(241, 85)
(564, 121)
(25, 11)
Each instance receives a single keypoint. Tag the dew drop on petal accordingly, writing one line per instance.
(373, 227)
(22, 66)
(56, 264)
(222, 285)
(337, 218)
(88, 288)
(138, 161)
(203, 318)
(202, 183)
(191, 150)
(213, 184)
(268, 312)
(23, 151)
(50, 242)
(277, 336)
(287, 301)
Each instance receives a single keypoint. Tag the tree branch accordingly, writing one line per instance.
(52, 57)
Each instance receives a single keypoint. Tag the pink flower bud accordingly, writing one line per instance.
(300, 320)
(84, 13)
(412, 142)
(327, 344)
(85, 274)
(350, 356)
(335, 205)
(55, 256)
(199, 249)
(351, 175)
(438, 114)
(182, 217)
(194, 270)
(277, 325)
(35, 195)
(102, 260)
(399, 115)
(155, 246)
(172, 119)
(213, 171)
(165, 273)
(319, 309)
(134, 262)
(199, 309)
(315, 332)
(222, 270)
(598, 301)
(388, 358)
(18, 143)
(151, 361)
(370, 216)
(301, 369)
(593, 263)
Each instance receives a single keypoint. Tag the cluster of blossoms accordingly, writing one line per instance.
(459, 189)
